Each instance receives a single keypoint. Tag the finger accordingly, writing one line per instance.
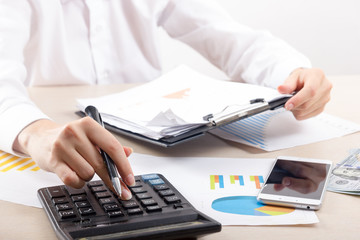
(68, 176)
(300, 185)
(76, 150)
(108, 143)
(79, 165)
(128, 151)
(104, 175)
(278, 187)
(291, 84)
(125, 192)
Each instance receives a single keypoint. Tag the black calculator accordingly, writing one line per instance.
(156, 211)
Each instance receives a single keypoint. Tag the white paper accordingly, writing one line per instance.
(191, 176)
(180, 98)
(274, 130)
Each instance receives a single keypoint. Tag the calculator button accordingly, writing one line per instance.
(154, 208)
(161, 187)
(148, 177)
(156, 181)
(111, 207)
(60, 200)
(137, 184)
(82, 204)
(65, 206)
(95, 183)
(56, 192)
(148, 202)
(143, 195)
(79, 198)
(67, 214)
(74, 191)
(172, 199)
(130, 204)
(133, 211)
(138, 190)
(99, 189)
(115, 214)
(86, 211)
(103, 201)
(102, 195)
(165, 193)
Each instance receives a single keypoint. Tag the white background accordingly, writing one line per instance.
(326, 31)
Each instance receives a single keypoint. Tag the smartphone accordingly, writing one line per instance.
(296, 182)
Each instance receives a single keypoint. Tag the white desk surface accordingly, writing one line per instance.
(339, 217)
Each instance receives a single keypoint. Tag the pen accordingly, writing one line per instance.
(92, 112)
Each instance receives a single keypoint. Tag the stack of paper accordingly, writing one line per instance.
(174, 103)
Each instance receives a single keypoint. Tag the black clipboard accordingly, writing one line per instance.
(255, 106)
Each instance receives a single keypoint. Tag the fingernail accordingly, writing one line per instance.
(289, 106)
(130, 180)
(126, 194)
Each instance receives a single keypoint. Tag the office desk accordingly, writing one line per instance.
(339, 217)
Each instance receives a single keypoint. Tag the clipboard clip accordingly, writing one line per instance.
(255, 106)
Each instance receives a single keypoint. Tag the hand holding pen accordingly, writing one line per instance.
(112, 178)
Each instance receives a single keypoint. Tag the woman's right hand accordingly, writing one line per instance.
(71, 151)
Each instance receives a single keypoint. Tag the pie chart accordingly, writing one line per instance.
(247, 205)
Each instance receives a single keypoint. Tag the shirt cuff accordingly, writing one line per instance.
(14, 120)
(282, 71)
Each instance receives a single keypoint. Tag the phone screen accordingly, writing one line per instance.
(298, 179)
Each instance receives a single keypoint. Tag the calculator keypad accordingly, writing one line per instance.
(150, 195)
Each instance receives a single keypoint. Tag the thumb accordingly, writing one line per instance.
(290, 85)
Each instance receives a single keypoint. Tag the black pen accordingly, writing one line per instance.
(92, 112)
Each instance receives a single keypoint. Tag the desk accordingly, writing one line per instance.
(339, 217)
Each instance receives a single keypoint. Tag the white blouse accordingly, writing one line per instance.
(62, 42)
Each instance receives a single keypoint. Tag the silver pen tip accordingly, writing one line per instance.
(117, 185)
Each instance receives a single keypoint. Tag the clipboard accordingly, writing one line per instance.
(255, 106)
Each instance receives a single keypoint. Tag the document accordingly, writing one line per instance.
(345, 176)
(275, 130)
(175, 103)
(223, 188)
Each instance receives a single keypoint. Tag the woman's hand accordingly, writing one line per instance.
(72, 151)
(313, 92)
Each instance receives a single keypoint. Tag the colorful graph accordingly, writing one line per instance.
(10, 162)
(252, 129)
(216, 181)
(258, 180)
(237, 178)
(247, 205)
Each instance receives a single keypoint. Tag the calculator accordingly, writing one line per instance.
(156, 210)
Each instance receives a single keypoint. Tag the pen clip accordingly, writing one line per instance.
(92, 112)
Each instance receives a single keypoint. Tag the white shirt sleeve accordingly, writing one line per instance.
(16, 109)
(242, 53)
